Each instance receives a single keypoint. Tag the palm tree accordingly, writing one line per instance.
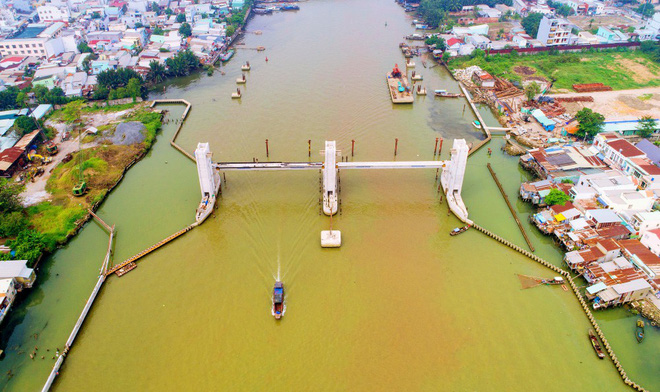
(156, 72)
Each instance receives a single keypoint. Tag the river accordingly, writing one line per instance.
(400, 306)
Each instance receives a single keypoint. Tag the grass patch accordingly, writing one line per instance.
(645, 97)
(618, 69)
(55, 222)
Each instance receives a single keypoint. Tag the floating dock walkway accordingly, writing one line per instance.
(88, 306)
(150, 249)
(484, 127)
(178, 129)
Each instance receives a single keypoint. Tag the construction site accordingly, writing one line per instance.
(549, 119)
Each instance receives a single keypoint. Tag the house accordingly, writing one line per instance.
(18, 270)
(479, 41)
(483, 79)
(616, 151)
(521, 40)
(651, 239)
(454, 43)
(651, 30)
(645, 221)
(651, 150)
(7, 296)
(611, 35)
(554, 31)
(603, 218)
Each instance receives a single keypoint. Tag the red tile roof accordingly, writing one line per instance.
(453, 41)
(9, 156)
(625, 148)
(637, 248)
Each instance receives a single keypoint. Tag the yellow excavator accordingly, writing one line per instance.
(36, 158)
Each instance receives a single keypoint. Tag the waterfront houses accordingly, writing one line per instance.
(610, 229)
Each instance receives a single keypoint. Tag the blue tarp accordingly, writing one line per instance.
(548, 124)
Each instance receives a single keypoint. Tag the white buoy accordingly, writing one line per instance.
(410, 64)
(330, 239)
(241, 80)
(417, 77)
(236, 94)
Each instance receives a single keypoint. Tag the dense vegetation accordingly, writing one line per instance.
(561, 9)
(611, 67)
(182, 64)
(26, 244)
(531, 23)
(556, 197)
(434, 12)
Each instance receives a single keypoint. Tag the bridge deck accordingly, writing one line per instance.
(319, 165)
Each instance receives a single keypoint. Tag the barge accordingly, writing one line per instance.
(397, 83)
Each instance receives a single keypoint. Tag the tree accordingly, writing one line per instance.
(21, 100)
(133, 88)
(12, 223)
(154, 7)
(185, 30)
(531, 23)
(180, 18)
(83, 47)
(9, 195)
(556, 197)
(646, 10)
(168, 11)
(138, 25)
(230, 30)
(158, 31)
(445, 57)
(157, 72)
(112, 79)
(96, 15)
(646, 126)
(531, 90)
(589, 123)
(25, 124)
(71, 112)
(439, 42)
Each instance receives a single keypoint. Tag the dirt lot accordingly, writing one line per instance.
(619, 105)
(584, 22)
(494, 29)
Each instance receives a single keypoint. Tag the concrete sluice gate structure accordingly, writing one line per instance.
(452, 179)
(209, 181)
(453, 172)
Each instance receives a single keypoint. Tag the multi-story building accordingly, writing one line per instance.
(50, 13)
(554, 31)
(32, 41)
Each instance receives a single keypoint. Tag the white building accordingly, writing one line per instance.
(51, 13)
(554, 31)
(18, 270)
(651, 239)
(651, 30)
(7, 295)
(645, 221)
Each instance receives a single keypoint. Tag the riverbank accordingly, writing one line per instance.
(101, 162)
(620, 70)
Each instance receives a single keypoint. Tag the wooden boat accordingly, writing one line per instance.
(227, 55)
(278, 300)
(459, 230)
(596, 344)
(445, 94)
(639, 333)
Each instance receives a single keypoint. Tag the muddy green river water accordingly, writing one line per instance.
(400, 306)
